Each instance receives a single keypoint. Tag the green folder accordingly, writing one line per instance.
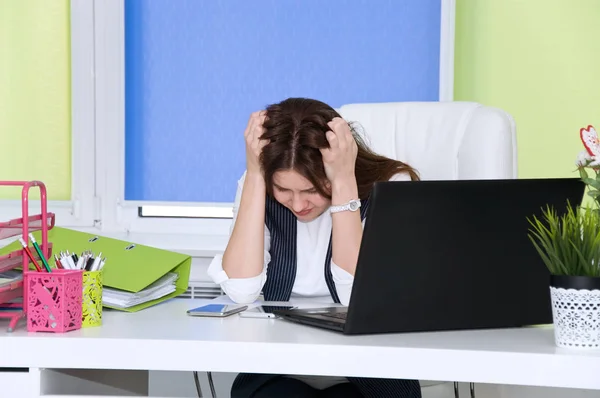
(129, 266)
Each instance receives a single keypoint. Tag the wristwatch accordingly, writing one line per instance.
(353, 205)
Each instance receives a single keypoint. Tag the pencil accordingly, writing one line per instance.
(35, 264)
(39, 252)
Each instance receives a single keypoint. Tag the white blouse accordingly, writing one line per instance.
(312, 243)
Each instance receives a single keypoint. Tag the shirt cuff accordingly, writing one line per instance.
(340, 275)
(239, 290)
(215, 270)
(343, 283)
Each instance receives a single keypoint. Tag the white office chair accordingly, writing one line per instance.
(443, 141)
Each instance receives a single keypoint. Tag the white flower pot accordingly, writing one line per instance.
(576, 311)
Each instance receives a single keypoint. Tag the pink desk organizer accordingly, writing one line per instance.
(54, 300)
(14, 296)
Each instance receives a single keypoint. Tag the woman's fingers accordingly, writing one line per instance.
(254, 129)
(249, 126)
(255, 121)
(342, 133)
(254, 144)
(332, 139)
(260, 121)
(341, 130)
(261, 144)
(256, 132)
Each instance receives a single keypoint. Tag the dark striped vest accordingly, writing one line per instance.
(281, 274)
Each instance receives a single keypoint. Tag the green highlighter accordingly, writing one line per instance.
(39, 252)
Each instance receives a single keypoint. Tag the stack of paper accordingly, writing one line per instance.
(8, 277)
(123, 299)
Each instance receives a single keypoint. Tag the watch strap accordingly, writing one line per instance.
(352, 205)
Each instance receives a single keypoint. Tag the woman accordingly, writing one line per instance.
(289, 237)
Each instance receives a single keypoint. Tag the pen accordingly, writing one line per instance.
(89, 263)
(40, 254)
(66, 261)
(80, 262)
(35, 264)
(70, 260)
(102, 263)
(57, 262)
(96, 263)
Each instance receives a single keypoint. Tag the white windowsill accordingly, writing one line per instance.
(195, 245)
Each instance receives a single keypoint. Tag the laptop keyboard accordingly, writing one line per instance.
(338, 315)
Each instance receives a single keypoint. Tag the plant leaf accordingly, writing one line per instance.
(592, 182)
(568, 243)
(593, 194)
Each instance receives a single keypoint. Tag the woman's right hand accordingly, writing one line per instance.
(254, 145)
(244, 255)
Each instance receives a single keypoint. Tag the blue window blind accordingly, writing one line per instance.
(195, 70)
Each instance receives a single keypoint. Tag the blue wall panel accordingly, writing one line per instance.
(195, 70)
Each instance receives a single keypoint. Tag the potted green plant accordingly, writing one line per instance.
(569, 245)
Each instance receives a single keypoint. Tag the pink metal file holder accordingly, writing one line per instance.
(44, 221)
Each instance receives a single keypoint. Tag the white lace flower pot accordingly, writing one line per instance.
(576, 311)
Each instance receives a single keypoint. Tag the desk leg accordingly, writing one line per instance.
(197, 382)
(210, 383)
(457, 392)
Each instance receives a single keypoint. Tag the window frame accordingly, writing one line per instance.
(81, 210)
(121, 215)
(117, 213)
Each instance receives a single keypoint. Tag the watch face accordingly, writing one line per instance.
(354, 206)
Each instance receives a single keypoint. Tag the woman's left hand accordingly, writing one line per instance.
(340, 158)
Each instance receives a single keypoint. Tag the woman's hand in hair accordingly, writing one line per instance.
(340, 158)
(339, 161)
(254, 145)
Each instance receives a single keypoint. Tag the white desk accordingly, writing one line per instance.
(165, 338)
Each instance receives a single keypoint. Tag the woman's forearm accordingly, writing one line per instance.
(244, 255)
(347, 226)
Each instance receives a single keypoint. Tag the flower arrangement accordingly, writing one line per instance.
(569, 244)
(589, 158)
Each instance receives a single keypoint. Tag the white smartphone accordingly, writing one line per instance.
(217, 310)
(264, 311)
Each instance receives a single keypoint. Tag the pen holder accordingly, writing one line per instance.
(54, 300)
(92, 299)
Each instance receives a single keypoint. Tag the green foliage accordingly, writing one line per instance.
(568, 244)
(593, 184)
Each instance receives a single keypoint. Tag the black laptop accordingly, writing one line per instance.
(449, 255)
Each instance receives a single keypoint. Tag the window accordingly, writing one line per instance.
(46, 129)
(173, 98)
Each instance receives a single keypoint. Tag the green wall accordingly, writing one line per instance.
(539, 60)
(35, 99)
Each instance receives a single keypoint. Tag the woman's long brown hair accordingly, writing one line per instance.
(295, 129)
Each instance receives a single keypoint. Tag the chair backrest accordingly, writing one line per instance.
(442, 140)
